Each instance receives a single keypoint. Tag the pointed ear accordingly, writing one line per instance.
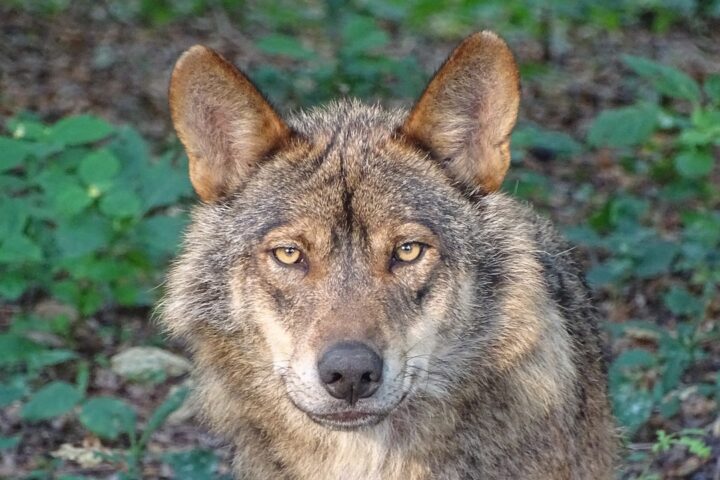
(223, 121)
(465, 116)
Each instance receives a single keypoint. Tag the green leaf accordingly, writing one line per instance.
(284, 45)
(707, 120)
(196, 464)
(12, 153)
(9, 442)
(623, 127)
(361, 34)
(675, 366)
(161, 234)
(100, 268)
(681, 302)
(19, 249)
(15, 349)
(9, 394)
(669, 406)
(667, 80)
(27, 129)
(121, 203)
(51, 401)
(634, 358)
(12, 285)
(696, 446)
(46, 358)
(610, 272)
(15, 213)
(90, 301)
(98, 167)
(535, 137)
(83, 235)
(53, 179)
(694, 164)
(79, 130)
(712, 88)
(131, 150)
(70, 200)
(632, 406)
(163, 185)
(107, 417)
(655, 258)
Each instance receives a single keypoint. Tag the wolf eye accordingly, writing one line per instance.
(409, 252)
(288, 255)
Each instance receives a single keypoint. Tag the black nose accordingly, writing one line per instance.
(350, 370)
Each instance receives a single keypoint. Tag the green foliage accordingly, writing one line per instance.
(107, 417)
(668, 144)
(195, 464)
(532, 137)
(83, 218)
(354, 60)
(623, 127)
(666, 80)
(89, 218)
(690, 438)
(51, 401)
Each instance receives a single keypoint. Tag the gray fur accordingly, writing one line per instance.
(492, 361)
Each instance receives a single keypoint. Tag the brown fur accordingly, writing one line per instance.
(493, 363)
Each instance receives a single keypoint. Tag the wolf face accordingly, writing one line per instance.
(355, 262)
(352, 272)
(345, 240)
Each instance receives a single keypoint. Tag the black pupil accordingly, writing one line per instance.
(406, 247)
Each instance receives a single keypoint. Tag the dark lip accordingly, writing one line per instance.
(351, 419)
(347, 420)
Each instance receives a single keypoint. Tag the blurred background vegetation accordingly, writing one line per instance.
(617, 142)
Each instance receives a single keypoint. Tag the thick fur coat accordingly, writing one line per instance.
(492, 364)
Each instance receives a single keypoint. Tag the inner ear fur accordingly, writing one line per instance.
(223, 121)
(468, 110)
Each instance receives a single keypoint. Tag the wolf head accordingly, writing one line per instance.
(343, 258)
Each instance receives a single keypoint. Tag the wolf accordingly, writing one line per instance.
(360, 299)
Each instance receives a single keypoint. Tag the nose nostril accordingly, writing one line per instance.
(369, 377)
(350, 371)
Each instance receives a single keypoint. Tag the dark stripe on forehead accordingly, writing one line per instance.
(347, 197)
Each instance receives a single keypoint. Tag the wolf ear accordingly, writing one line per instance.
(465, 116)
(222, 120)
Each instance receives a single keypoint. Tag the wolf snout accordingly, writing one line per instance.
(350, 370)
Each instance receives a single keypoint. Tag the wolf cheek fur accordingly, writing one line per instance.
(360, 300)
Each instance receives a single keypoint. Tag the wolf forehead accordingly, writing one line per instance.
(348, 169)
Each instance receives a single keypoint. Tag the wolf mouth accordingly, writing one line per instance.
(353, 419)
(348, 420)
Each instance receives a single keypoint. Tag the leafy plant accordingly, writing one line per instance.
(667, 143)
(111, 417)
(355, 62)
(86, 216)
(688, 437)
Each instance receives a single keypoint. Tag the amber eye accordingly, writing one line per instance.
(408, 252)
(288, 255)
